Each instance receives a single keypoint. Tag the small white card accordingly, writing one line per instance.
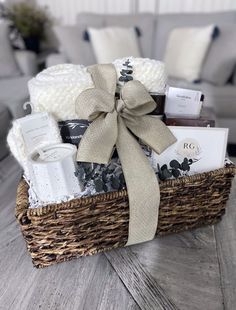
(35, 130)
(197, 150)
(183, 102)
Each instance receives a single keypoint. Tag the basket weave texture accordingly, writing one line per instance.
(85, 226)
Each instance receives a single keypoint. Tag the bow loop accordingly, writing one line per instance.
(93, 102)
(104, 77)
(137, 100)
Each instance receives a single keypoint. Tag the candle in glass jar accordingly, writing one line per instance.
(52, 170)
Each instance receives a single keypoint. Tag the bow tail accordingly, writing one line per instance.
(97, 143)
(142, 185)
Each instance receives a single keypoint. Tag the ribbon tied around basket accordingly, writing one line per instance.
(115, 122)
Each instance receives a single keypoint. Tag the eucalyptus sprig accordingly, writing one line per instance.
(102, 178)
(126, 73)
(176, 169)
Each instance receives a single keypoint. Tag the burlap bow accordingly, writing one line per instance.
(112, 123)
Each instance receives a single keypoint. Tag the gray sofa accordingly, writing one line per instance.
(154, 35)
(13, 94)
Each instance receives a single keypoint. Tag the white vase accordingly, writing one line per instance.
(52, 171)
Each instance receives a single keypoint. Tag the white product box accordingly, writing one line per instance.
(197, 150)
(183, 102)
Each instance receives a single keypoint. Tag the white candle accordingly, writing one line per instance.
(53, 172)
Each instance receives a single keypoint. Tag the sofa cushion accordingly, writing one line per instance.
(72, 45)
(8, 65)
(234, 76)
(79, 51)
(111, 43)
(71, 39)
(14, 93)
(27, 62)
(221, 58)
(144, 22)
(221, 98)
(228, 123)
(186, 50)
(167, 22)
(5, 121)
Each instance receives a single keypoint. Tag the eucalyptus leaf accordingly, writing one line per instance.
(115, 183)
(98, 185)
(185, 166)
(104, 177)
(164, 167)
(174, 164)
(105, 188)
(126, 71)
(129, 78)
(176, 173)
(122, 78)
(166, 174)
(122, 179)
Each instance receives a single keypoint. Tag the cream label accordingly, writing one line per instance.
(188, 147)
(53, 154)
(35, 129)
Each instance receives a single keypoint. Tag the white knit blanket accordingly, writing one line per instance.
(56, 89)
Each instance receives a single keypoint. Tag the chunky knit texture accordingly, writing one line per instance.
(56, 89)
(151, 73)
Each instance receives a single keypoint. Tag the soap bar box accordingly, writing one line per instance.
(183, 102)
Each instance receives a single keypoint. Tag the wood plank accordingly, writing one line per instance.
(186, 267)
(225, 233)
(87, 283)
(8, 168)
(145, 290)
(10, 173)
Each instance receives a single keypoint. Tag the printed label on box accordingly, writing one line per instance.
(35, 129)
(184, 102)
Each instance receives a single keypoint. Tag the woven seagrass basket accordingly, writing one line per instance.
(85, 226)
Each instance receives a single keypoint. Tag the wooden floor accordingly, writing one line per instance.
(190, 271)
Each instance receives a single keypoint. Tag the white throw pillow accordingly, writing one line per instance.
(186, 50)
(113, 42)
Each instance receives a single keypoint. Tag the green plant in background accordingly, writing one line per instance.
(31, 22)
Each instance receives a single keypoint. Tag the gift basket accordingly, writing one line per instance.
(108, 178)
